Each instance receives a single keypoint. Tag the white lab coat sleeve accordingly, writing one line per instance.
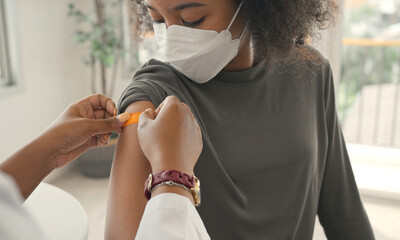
(15, 222)
(170, 216)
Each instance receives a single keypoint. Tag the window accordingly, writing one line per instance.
(5, 76)
(369, 106)
(136, 53)
(369, 93)
(131, 56)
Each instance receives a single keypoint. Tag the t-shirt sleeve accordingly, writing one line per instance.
(340, 209)
(140, 91)
(149, 83)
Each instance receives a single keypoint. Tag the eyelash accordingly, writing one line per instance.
(188, 24)
(193, 24)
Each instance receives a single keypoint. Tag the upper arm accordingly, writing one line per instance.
(130, 169)
(340, 209)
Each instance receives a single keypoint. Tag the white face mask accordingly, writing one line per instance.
(198, 54)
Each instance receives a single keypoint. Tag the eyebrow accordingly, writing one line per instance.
(181, 6)
(189, 5)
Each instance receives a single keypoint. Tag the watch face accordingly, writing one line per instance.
(150, 182)
(196, 192)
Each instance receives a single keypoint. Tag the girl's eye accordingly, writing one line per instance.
(193, 24)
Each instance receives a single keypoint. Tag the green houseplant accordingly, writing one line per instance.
(99, 32)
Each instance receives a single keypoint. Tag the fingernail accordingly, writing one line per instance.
(124, 117)
(103, 140)
(115, 111)
(149, 109)
(107, 140)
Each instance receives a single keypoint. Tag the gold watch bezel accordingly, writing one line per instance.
(196, 192)
(150, 182)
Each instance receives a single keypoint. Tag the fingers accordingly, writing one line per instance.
(110, 107)
(76, 152)
(146, 116)
(98, 101)
(186, 108)
(169, 101)
(108, 125)
(160, 107)
(102, 114)
(103, 139)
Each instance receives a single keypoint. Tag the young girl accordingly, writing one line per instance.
(273, 154)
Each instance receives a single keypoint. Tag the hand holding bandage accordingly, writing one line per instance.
(170, 136)
(85, 124)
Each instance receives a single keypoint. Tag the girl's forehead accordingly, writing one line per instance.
(173, 3)
(184, 4)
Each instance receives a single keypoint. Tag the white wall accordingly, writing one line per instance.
(52, 72)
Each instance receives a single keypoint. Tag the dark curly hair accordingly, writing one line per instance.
(280, 29)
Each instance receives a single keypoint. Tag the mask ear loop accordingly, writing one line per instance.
(244, 30)
(235, 15)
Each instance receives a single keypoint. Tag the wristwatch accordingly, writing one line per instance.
(174, 178)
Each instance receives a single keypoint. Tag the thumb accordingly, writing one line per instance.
(108, 125)
(146, 116)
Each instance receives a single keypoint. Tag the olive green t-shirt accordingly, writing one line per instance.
(274, 156)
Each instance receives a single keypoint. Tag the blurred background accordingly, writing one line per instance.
(55, 52)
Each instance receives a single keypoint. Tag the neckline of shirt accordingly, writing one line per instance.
(234, 78)
(246, 76)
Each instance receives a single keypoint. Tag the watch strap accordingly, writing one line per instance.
(165, 176)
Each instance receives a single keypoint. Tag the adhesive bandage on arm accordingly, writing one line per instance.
(133, 119)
